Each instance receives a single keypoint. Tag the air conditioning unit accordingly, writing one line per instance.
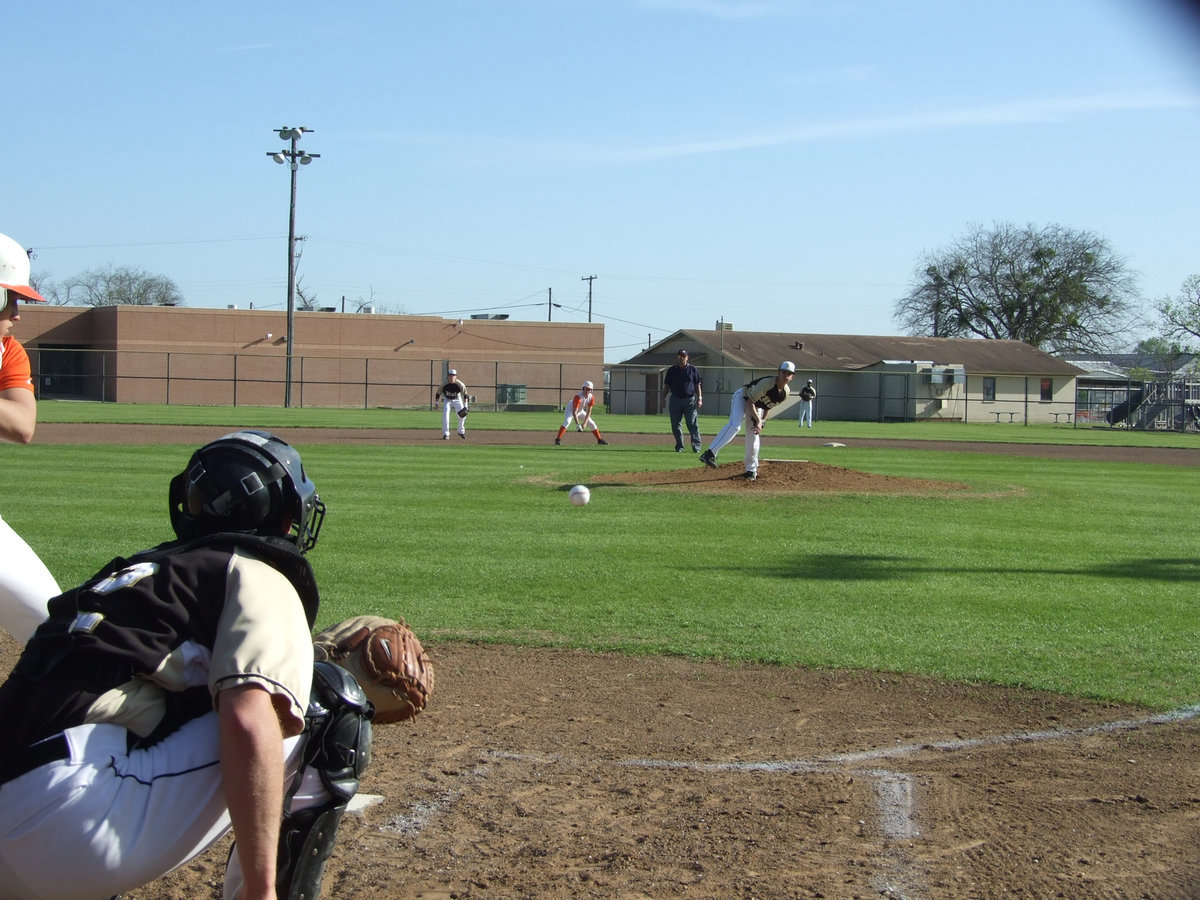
(936, 376)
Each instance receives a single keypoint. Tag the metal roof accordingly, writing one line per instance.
(851, 352)
(1123, 363)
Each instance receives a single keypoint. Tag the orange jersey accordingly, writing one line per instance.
(14, 365)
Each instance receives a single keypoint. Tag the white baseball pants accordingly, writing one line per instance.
(107, 820)
(26, 585)
(448, 407)
(739, 415)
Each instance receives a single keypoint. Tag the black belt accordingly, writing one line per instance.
(49, 750)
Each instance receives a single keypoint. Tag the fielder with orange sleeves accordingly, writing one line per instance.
(579, 411)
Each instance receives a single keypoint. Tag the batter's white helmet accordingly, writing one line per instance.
(14, 270)
(588, 385)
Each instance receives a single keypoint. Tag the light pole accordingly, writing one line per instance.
(296, 158)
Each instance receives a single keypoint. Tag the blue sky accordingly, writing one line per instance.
(780, 164)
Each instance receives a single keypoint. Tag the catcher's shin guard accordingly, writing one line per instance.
(337, 745)
(305, 845)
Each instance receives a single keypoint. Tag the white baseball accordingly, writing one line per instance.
(580, 495)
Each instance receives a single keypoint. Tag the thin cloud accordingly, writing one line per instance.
(1015, 112)
(736, 9)
(242, 48)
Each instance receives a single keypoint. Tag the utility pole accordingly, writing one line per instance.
(549, 304)
(589, 279)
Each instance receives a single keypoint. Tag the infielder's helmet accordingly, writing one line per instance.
(249, 482)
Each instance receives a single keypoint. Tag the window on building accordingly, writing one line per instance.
(989, 390)
(1047, 388)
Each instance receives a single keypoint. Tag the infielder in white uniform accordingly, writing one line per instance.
(808, 394)
(453, 396)
(25, 582)
(750, 405)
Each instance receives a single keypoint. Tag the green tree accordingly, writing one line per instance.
(1056, 288)
(1179, 317)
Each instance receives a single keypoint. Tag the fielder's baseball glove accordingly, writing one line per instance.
(462, 413)
(386, 658)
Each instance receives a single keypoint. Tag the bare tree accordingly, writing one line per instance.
(368, 302)
(111, 286)
(1053, 287)
(1179, 317)
(306, 300)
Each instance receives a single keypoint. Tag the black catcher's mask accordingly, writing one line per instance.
(250, 482)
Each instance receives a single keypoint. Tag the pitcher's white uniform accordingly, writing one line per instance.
(763, 393)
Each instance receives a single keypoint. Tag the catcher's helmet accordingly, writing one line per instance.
(247, 481)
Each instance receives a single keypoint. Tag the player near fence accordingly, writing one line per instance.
(808, 394)
(25, 582)
(453, 397)
(579, 411)
(749, 406)
(175, 694)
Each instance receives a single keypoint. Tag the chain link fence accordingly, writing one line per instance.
(203, 379)
(935, 394)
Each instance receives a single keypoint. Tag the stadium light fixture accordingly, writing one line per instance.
(297, 158)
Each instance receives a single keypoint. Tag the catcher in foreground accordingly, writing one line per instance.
(177, 694)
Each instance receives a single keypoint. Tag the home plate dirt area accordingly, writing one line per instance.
(542, 773)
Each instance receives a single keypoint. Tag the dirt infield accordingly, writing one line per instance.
(557, 774)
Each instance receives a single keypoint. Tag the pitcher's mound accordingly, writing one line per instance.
(781, 476)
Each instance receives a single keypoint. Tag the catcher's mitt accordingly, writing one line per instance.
(386, 658)
(462, 413)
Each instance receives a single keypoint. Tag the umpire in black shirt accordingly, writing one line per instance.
(683, 395)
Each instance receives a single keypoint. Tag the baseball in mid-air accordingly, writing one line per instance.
(580, 495)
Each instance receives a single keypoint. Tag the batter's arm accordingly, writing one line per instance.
(18, 415)
(252, 775)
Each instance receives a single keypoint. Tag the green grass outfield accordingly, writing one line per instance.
(1074, 577)
(277, 417)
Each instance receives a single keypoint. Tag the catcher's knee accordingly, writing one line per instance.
(338, 743)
